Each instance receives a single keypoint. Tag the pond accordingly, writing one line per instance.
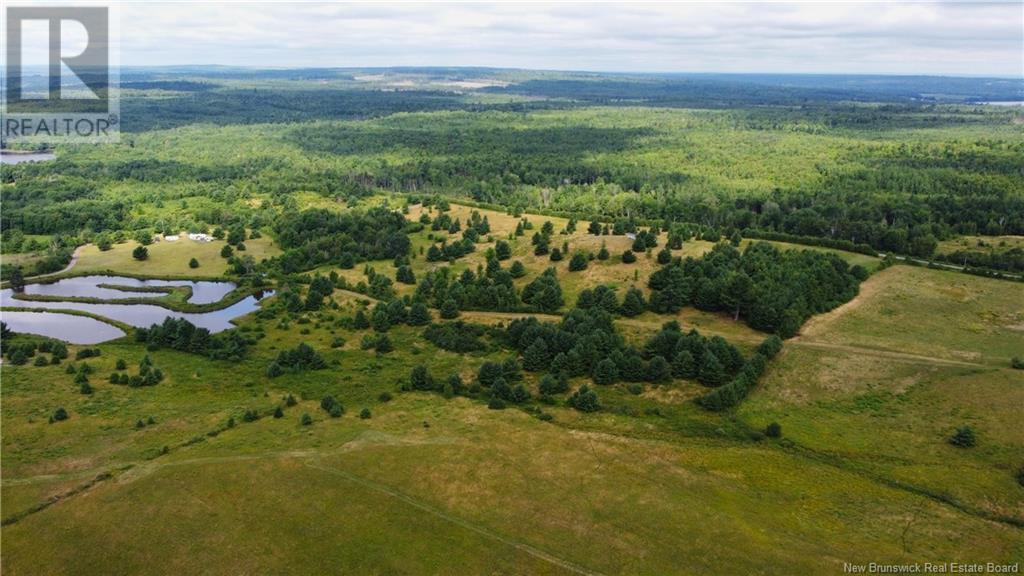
(203, 292)
(7, 157)
(67, 327)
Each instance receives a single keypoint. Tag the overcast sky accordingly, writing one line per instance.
(891, 38)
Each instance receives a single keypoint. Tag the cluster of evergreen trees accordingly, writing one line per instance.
(586, 343)
(315, 237)
(737, 389)
(299, 359)
(455, 336)
(148, 374)
(772, 290)
(486, 289)
(180, 334)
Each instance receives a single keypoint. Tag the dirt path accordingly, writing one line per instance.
(71, 264)
(889, 354)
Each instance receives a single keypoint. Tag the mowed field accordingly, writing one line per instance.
(866, 395)
(170, 258)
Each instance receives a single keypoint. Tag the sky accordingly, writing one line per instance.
(973, 39)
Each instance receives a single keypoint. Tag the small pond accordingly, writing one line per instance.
(67, 327)
(8, 158)
(203, 292)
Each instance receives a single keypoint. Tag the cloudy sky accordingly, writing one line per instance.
(891, 37)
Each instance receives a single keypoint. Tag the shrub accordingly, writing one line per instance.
(121, 364)
(384, 397)
(278, 412)
(41, 361)
(140, 253)
(336, 411)
(578, 262)
(773, 430)
(306, 419)
(628, 257)
(193, 263)
(585, 400)
(250, 416)
(364, 414)
(420, 378)
(59, 414)
(1017, 363)
(963, 437)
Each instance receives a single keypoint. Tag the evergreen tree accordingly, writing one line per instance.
(712, 373)
(449, 309)
(628, 257)
(603, 254)
(419, 314)
(658, 370)
(584, 400)
(502, 250)
(964, 437)
(359, 321)
(536, 356)
(193, 263)
(420, 379)
(606, 372)
(140, 253)
(578, 262)
(517, 270)
(633, 303)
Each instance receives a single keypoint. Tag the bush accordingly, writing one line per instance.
(773, 430)
(964, 437)
(584, 400)
(1017, 363)
(628, 257)
(306, 419)
(250, 416)
(193, 263)
(578, 262)
(59, 414)
(496, 403)
(364, 414)
(384, 397)
(140, 253)
(420, 378)
(278, 412)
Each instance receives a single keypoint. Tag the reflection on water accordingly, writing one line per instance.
(76, 329)
(8, 158)
(203, 292)
(67, 327)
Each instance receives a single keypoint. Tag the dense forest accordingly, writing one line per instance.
(850, 161)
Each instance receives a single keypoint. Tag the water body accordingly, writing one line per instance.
(82, 330)
(67, 327)
(145, 315)
(203, 292)
(8, 158)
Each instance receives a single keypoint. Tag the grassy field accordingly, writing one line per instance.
(437, 486)
(867, 396)
(169, 258)
(883, 382)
